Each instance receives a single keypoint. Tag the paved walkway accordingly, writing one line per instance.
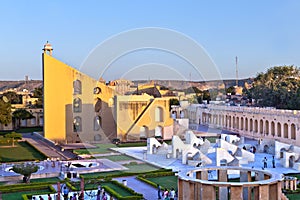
(48, 148)
(149, 192)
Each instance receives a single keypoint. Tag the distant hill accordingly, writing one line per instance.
(20, 85)
(171, 84)
(180, 85)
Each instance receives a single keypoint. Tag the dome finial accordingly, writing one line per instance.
(48, 48)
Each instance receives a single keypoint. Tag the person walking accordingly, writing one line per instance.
(158, 191)
(104, 197)
(66, 193)
(49, 197)
(172, 194)
(98, 194)
(273, 162)
(265, 160)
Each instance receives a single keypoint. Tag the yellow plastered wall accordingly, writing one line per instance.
(134, 112)
(58, 89)
(121, 122)
(58, 104)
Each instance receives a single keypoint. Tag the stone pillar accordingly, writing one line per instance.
(263, 192)
(82, 187)
(198, 175)
(186, 191)
(273, 191)
(191, 191)
(204, 175)
(180, 190)
(256, 192)
(236, 193)
(208, 192)
(58, 191)
(197, 191)
(245, 176)
(223, 191)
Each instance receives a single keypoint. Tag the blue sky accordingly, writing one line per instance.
(261, 33)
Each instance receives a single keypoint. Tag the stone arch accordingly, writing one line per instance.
(77, 124)
(237, 122)
(144, 132)
(242, 123)
(233, 122)
(154, 149)
(291, 161)
(98, 105)
(293, 131)
(256, 126)
(97, 123)
(227, 139)
(159, 114)
(177, 153)
(33, 121)
(159, 131)
(272, 128)
(261, 127)
(41, 120)
(282, 150)
(77, 105)
(278, 129)
(266, 149)
(285, 130)
(77, 88)
(267, 127)
(251, 124)
(226, 121)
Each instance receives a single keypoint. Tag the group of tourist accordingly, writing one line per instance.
(265, 162)
(101, 195)
(166, 194)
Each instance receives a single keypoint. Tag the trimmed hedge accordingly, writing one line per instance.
(135, 195)
(25, 187)
(112, 192)
(143, 177)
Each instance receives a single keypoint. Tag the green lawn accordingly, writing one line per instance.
(21, 152)
(117, 158)
(18, 195)
(293, 196)
(165, 181)
(133, 168)
(101, 149)
(140, 168)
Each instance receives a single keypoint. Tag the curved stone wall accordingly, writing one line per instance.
(282, 125)
(250, 183)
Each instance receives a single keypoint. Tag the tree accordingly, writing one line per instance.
(231, 90)
(5, 111)
(26, 169)
(13, 97)
(21, 114)
(279, 87)
(38, 93)
(172, 102)
(13, 136)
